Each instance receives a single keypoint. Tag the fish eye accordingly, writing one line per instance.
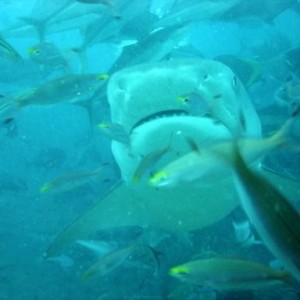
(185, 99)
(36, 51)
(182, 273)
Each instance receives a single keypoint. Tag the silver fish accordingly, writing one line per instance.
(227, 274)
(48, 54)
(274, 218)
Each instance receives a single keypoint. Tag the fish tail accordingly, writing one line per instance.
(38, 25)
(81, 53)
(284, 136)
(136, 178)
(8, 111)
(155, 254)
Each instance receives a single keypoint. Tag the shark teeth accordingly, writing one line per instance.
(159, 115)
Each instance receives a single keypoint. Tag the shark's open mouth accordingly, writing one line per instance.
(144, 100)
(161, 114)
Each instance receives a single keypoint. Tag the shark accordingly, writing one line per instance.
(142, 99)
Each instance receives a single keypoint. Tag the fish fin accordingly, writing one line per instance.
(38, 25)
(155, 254)
(81, 53)
(192, 144)
(205, 255)
(89, 106)
(285, 134)
(8, 111)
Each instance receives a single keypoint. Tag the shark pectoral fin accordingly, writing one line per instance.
(183, 208)
(115, 209)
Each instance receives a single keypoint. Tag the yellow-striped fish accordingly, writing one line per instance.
(207, 162)
(74, 88)
(70, 181)
(46, 53)
(228, 274)
(110, 261)
(148, 162)
(115, 132)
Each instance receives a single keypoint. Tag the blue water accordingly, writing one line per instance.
(45, 141)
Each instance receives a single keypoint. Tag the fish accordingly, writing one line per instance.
(8, 51)
(64, 261)
(98, 247)
(47, 54)
(114, 132)
(289, 93)
(74, 88)
(43, 15)
(248, 70)
(8, 111)
(105, 29)
(205, 10)
(109, 3)
(9, 128)
(143, 100)
(151, 47)
(275, 219)
(230, 274)
(12, 184)
(110, 261)
(206, 164)
(244, 235)
(148, 162)
(105, 2)
(56, 17)
(194, 104)
(70, 181)
(78, 89)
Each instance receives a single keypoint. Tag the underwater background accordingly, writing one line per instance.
(56, 159)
